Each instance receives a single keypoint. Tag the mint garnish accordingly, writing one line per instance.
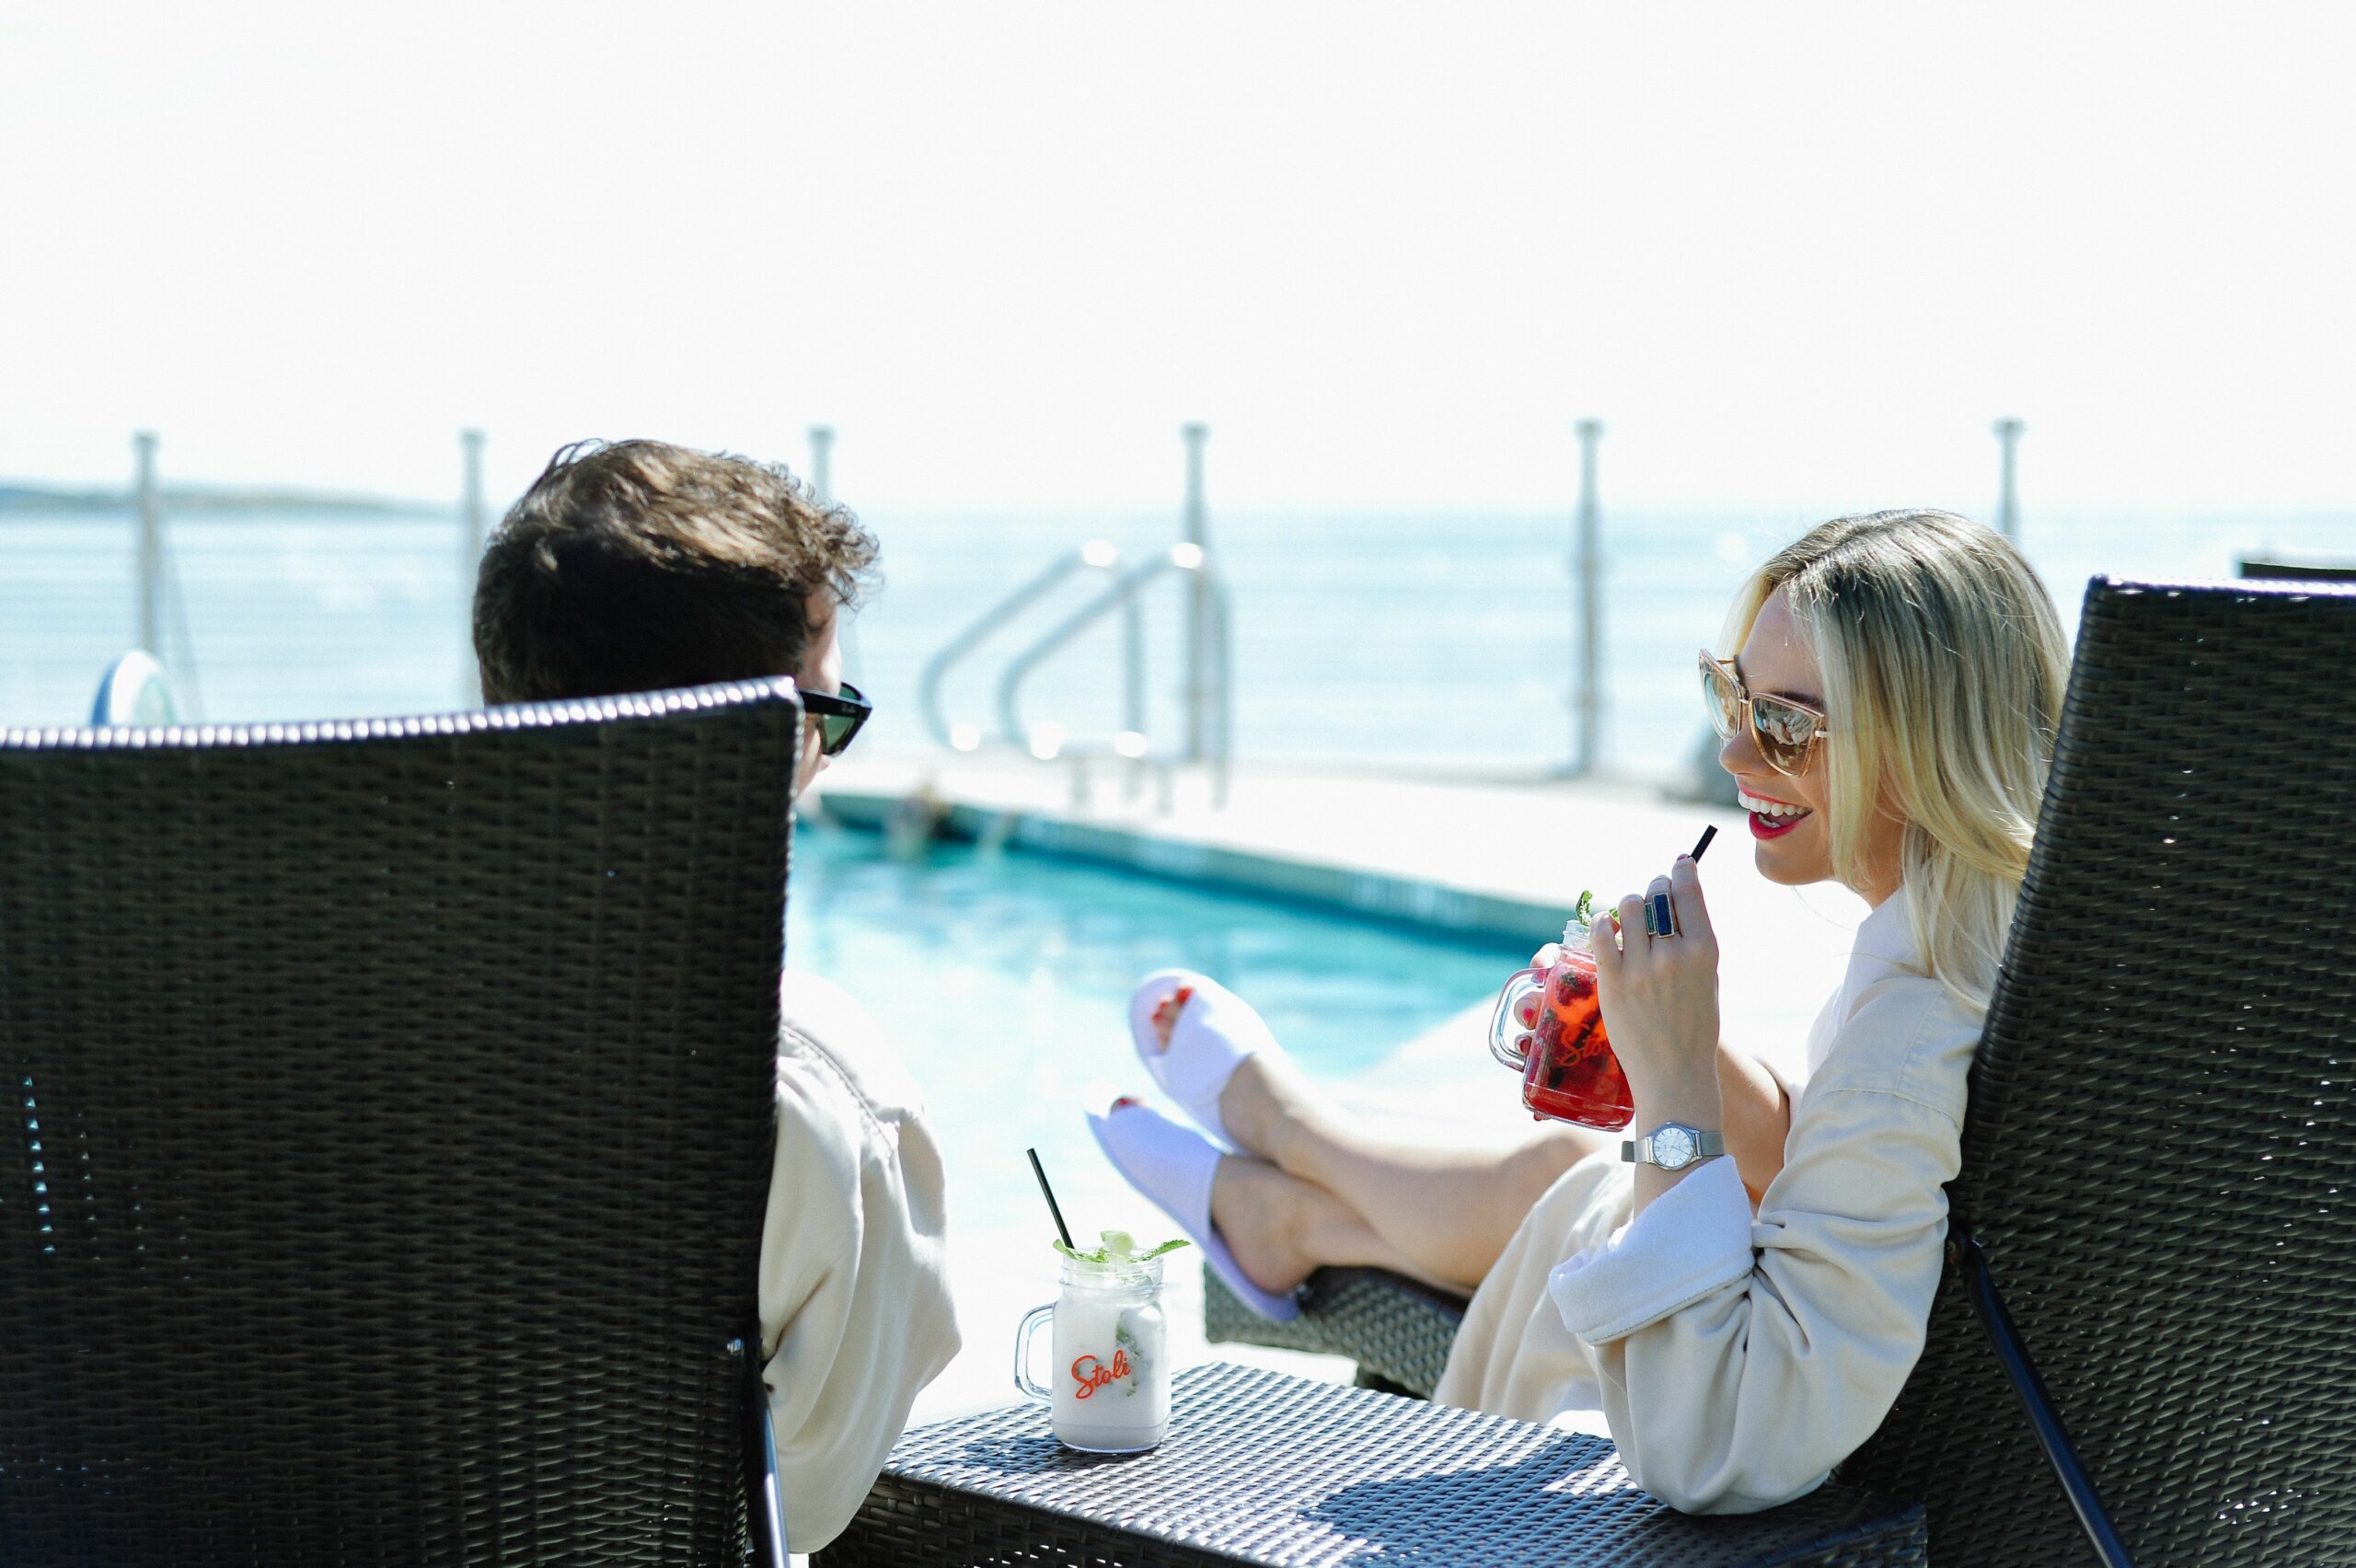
(1119, 1246)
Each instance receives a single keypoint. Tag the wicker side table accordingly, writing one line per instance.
(1262, 1467)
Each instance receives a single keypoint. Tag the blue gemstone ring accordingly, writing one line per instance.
(1660, 916)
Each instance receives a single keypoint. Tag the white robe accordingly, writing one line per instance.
(1736, 1357)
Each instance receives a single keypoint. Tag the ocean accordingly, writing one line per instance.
(1418, 641)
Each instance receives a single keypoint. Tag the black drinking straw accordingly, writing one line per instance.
(1049, 1193)
(1707, 833)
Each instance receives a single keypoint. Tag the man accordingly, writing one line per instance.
(638, 566)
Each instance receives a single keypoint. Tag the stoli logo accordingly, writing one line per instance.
(1091, 1374)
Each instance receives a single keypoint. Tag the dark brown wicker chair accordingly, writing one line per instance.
(389, 1134)
(2160, 1160)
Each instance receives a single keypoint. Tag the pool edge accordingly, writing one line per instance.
(1323, 884)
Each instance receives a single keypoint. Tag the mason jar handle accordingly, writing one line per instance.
(1030, 1325)
(1509, 1038)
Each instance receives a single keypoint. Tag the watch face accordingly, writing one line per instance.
(1672, 1149)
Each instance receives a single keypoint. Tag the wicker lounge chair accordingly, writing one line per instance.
(389, 1136)
(2160, 1160)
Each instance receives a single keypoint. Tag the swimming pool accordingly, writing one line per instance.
(1003, 976)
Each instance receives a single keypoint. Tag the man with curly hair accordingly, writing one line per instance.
(636, 566)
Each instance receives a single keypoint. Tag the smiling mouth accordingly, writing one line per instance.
(1771, 819)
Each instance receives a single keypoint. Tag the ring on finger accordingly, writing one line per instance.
(1661, 916)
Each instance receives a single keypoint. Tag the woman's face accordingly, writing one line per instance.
(1788, 822)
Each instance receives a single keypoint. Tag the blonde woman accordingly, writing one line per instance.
(1744, 1319)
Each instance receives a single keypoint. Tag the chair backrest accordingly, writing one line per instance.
(2160, 1155)
(389, 1125)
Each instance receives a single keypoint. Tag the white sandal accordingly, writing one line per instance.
(1174, 1165)
(1215, 1029)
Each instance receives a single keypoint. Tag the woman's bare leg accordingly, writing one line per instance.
(1444, 1212)
(1449, 1209)
(1280, 1228)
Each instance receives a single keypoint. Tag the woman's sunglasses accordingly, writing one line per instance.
(839, 714)
(1783, 730)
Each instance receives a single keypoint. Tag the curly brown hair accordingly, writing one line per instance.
(637, 565)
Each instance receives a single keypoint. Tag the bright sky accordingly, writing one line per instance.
(1793, 254)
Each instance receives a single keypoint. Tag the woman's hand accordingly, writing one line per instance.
(1660, 995)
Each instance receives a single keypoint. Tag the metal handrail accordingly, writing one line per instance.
(1096, 555)
(1122, 594)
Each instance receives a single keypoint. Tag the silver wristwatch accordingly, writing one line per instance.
(1673, 1145)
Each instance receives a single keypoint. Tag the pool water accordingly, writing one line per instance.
(1003, 976)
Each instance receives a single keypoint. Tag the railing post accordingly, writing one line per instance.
(474, 532)
(1132, 679)
(822, 485)
(822, 454)
(1198, 534)
(1587, 569)
(1223, 642)
(470, 495)
(151, 544)
(2008, 499)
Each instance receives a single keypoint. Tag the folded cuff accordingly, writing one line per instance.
(1693, 1239)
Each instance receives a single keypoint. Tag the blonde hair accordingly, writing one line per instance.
(1943, 666)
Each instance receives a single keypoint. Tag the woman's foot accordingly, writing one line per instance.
(1177, 1168)
(1193, 1034)
(1214, 1056)
(1265, 1217)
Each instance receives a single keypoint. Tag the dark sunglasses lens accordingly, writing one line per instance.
(836, 726)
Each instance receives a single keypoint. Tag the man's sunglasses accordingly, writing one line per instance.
(838, 715)
(1783, 730)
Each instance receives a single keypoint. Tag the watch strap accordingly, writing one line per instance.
(1706, 1146)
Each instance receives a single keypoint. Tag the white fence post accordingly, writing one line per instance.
(470, 504)
(822, 485)
(1588, 571)
(150, 545)
(822, 454)
(1198, 534)
(472, 526)
(2008, 499)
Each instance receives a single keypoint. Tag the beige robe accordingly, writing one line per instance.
(854, 1282)
(1736, 1357)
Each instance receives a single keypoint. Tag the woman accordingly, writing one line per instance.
(1743, 1322)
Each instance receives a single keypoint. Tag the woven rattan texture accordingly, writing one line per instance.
(2161, 1154)
(389, 1134)
(1263, 1468)
(1394, 1327)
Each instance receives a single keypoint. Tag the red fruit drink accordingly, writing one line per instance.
(1549, 1023)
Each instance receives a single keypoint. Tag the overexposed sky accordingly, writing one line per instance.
(1793, 254)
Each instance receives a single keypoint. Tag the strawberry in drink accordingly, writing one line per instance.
(1549, 1024)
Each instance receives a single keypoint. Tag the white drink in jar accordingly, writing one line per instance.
(1109, 1388)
